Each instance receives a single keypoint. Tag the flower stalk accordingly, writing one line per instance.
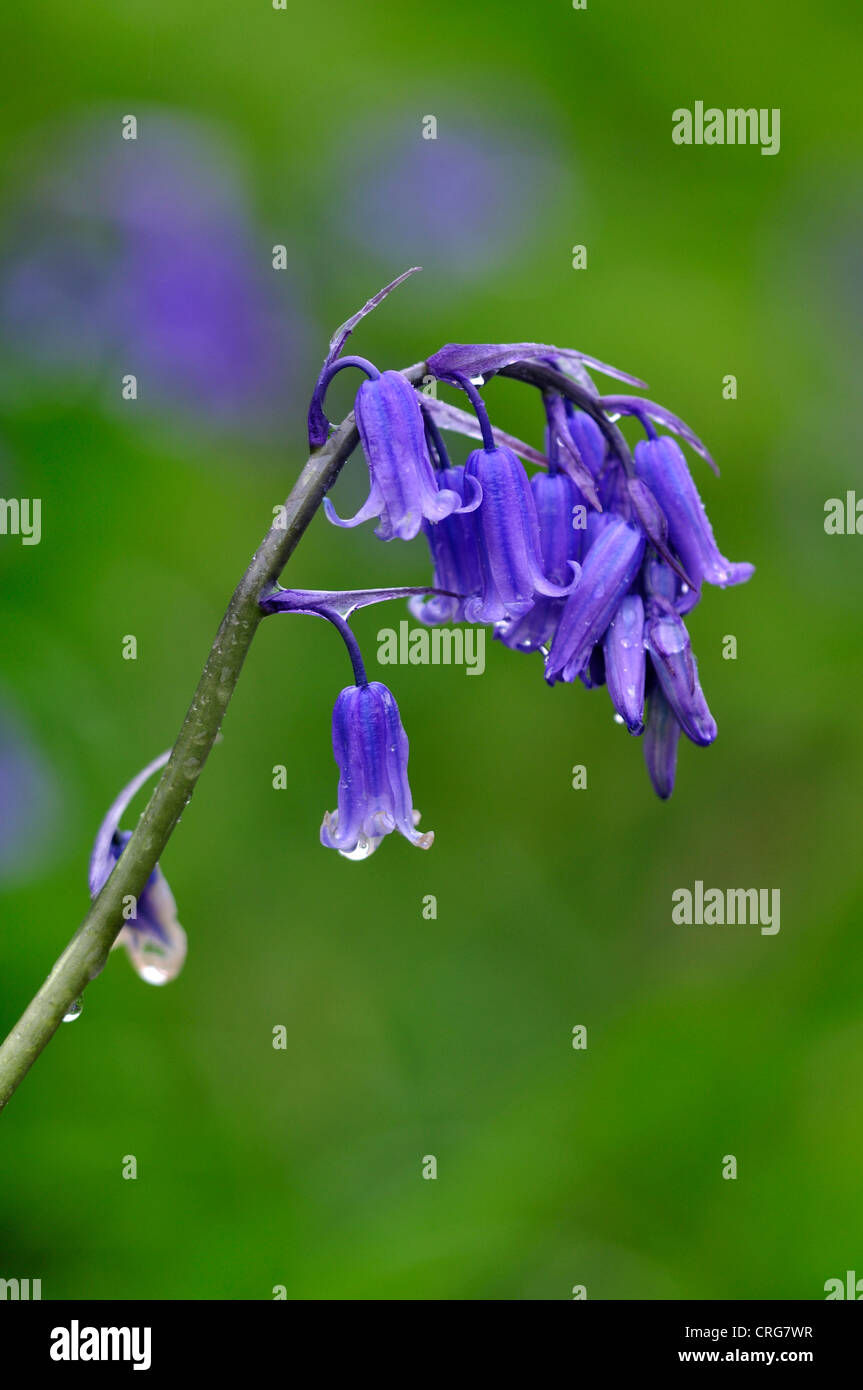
(87, 952)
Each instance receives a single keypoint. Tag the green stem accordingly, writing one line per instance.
(88, 950)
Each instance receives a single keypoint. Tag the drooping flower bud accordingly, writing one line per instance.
(152, 936)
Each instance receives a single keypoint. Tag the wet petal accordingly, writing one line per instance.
(671, 653)
(661, 465)
(371, 750)
(608, 569)
(508, 540)
(625, 662)
(661, 737)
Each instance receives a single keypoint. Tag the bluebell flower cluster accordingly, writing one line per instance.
(594, 560)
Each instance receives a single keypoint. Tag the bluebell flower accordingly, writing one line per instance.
(587, 438)
(625, 662)
(455, 557)
(555, 496)
(563, 448)
(608, 569)
(661, 737)
(152, 936)
(670, 650)
(404, 490)
(510, 554)
(661, 581)
(371, 750)
(662, 466)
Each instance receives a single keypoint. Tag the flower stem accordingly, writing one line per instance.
(350, 642)
(88, 950)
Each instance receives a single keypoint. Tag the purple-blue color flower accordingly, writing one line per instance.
(404, 489)
(371, 750)
(661, 737)
(625, 662)
(555, 496)
(30, 801)
(661, 465)
(147, 253)
(455, 556)
(154, 939)
(447, 201)
(671, 653)
(660, 581)
(608, 569)
(509, 542)
(587, 438)
(563, 448)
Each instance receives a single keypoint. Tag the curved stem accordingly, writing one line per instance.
(88, 950)
(434, 434)
(476, 400)
(350, 642)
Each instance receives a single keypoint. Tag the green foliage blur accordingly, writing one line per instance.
(406, 1037)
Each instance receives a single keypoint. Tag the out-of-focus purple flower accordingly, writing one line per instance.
(608, 569)
(145, 254)
(509, 541)
(455, 556)
(447, 202)
(661, 737)
(152, 936)
(671, 653)
(29, 798)
(555, 496)
(625, 662)
(371, 750)
(404, 490)
(660, 463)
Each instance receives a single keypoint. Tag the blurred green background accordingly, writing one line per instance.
(409, 1037)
